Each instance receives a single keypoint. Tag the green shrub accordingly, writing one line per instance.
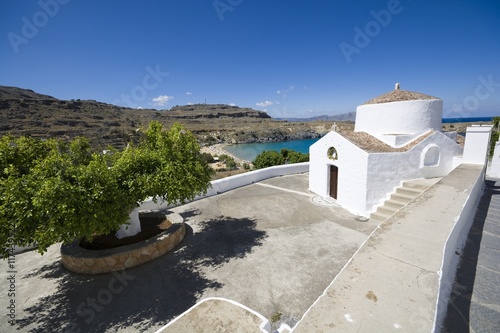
(270, 158)
(494, 138)
(207, 158)
(52, 191)
(267, 159)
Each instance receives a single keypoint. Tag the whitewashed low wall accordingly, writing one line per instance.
(494, 165)
(247, 178)
(455, 242)
(233, 182)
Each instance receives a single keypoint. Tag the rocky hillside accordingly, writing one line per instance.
(25, 112)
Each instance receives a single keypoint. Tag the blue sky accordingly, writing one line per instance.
(291, 58)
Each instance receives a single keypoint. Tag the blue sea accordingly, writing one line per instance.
(249, 151)
(467, 120)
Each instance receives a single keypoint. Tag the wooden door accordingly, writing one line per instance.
(334, 177)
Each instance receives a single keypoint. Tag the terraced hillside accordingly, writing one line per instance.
(25, 112)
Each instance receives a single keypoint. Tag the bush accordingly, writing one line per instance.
(51, 191)
(229, 161)
(207, 158)
(270, 158)
(267, 159)
(292, 156)
(494, 138)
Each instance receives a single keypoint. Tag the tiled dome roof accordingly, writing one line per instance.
(398, 95)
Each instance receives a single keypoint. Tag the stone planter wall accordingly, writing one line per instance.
(83, 261)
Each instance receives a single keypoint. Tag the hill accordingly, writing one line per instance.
(349, 116)
(25, 112)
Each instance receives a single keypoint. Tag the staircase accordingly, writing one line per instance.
(401, 197)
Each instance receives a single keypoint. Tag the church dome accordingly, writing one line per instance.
(399, 112)
(398, 95)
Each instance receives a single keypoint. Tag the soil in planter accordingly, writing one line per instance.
(150, 227)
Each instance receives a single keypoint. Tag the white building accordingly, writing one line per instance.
(397, 137)
(494, 165)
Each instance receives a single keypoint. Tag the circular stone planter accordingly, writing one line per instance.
(83, 261)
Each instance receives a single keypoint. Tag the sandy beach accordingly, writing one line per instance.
(219, 149)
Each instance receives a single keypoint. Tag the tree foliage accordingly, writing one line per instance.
(494, 136)
(270, 158)
(228, 161)
(496, 123)
(52, 191)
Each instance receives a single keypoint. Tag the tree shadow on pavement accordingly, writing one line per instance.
(457, 318)
(144, 297)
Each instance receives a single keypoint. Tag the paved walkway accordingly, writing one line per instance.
(273, 248)
(269, 246)
(475, 301)
(392, 282)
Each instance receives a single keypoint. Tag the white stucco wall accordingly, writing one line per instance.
(367, 180)
(407, 117)
(455, 242)
(352, 165)
(387, 171)
(494, 165)
(476, 147)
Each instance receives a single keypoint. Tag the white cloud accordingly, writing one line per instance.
(232, 104)
(264, 104)
(161, 100)
(190, 103)
(189, 93)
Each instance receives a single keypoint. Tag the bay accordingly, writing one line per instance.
(249, 151)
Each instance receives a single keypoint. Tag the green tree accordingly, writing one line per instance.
(267, 159)
(496, 122)
(270, 158)
(228, 161)
(292, 156)
(207, 157)
(51, 191)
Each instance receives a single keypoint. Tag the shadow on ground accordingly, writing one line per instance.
(457, 319)
(143, 297)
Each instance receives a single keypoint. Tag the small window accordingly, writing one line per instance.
(332, 153)
(430, 156)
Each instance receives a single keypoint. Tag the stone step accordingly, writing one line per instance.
(409, 191)
(379, 216)
(402, 197)
(387, 209)
(395, 203)
(415, 185)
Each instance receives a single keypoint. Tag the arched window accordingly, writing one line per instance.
(332, 153)
(430, 156)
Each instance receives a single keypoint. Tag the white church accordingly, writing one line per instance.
(397, 137)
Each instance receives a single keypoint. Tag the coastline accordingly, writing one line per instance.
(219, 149)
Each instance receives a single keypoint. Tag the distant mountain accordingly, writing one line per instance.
(350, 116)
(25, 112)
(19, 93)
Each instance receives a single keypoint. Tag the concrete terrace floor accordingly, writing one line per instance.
(268, 246)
